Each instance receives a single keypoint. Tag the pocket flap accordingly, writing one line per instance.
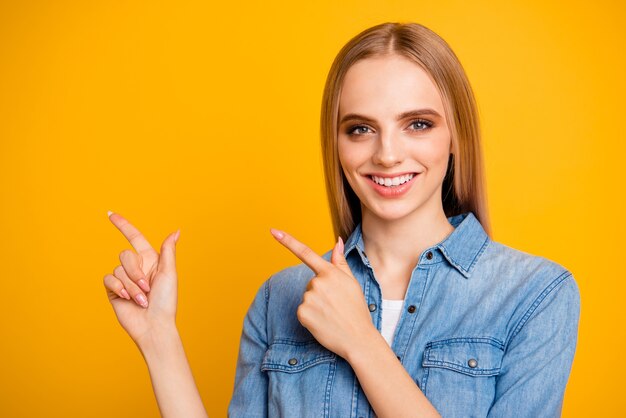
(293, 356)
(471, 356)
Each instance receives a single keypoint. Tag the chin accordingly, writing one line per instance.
(391, 213)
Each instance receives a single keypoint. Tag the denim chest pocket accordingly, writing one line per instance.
(460, 374)
(300, 378)
(293, 356)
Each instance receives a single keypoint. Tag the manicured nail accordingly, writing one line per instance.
(141, 299)
(177, 235)
(109, 213)
(125, 294)
(277, 234)
(340, 242)
(144, 285)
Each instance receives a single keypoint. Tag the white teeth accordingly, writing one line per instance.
(392, 181)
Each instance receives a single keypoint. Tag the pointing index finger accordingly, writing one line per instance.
(132, 234)
(300, 250)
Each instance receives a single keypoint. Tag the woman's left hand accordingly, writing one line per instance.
(333, 308)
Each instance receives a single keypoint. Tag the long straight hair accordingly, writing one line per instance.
(463, 188)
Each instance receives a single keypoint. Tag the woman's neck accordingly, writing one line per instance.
(394, 246)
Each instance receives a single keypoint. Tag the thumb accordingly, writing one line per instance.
(338, 259)
(167, 259)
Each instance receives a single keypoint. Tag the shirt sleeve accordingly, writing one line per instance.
(250, 394)
(539, 354)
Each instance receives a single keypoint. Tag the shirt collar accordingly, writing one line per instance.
(461, 248)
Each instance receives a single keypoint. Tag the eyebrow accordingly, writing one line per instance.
(403, 115)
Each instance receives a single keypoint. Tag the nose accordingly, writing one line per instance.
(389, 151)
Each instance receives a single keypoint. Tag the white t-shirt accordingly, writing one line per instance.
(389, 320)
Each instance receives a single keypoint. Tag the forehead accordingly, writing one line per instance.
(386, 86)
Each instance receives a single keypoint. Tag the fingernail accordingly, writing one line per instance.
(141, 299)
(277, 234)
(144, 285)
(340, 242)
(125, 294)
(177, 235)
(109, 213)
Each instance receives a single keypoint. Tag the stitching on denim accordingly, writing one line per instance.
(464, 271)
(298, 343)
(367, 290)
(355, 398)
(480, 252)
(295, 369)
(321, 355)
(406, 346)
(419, 309)
(425, 380)
(430, 263)
(454, 263)
(433, 345)
(542, 296)
(329, 385)
(488, 340)
(465, 370)
(266, 285)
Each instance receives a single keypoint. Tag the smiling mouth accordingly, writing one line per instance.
(392, 182)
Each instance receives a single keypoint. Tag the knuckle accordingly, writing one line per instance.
(306, 252)
(129, 274)
(107, 279)
(130, 270)
(140, 260)
(134, 291)
(133, 234)
(130, 285)
(112, 283)
(125, 255)
(301, 314)
(119, 272)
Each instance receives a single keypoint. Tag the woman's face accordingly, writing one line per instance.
(393, 137)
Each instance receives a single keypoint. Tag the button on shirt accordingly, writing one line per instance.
(486, 331)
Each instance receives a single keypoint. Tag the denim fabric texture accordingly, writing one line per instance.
(486, 331)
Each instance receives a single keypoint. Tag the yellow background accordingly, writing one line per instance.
(204, 116)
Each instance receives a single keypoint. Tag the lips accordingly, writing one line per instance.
(392, 181)
(391, 186)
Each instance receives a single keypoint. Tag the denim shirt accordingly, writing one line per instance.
(486, 331)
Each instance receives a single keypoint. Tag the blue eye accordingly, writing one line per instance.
(421, 124)
(358, 130)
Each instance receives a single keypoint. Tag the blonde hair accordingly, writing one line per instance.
(464, 184)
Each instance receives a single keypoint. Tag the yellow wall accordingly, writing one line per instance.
(204, 117)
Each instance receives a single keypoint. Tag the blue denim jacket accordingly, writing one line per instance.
(486, 331)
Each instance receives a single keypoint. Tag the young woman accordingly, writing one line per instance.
(419, 313)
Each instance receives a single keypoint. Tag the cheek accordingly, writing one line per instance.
(351, 155)
(437, 153)
(442, 158)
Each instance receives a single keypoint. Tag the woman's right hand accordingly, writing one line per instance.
(143, 289)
